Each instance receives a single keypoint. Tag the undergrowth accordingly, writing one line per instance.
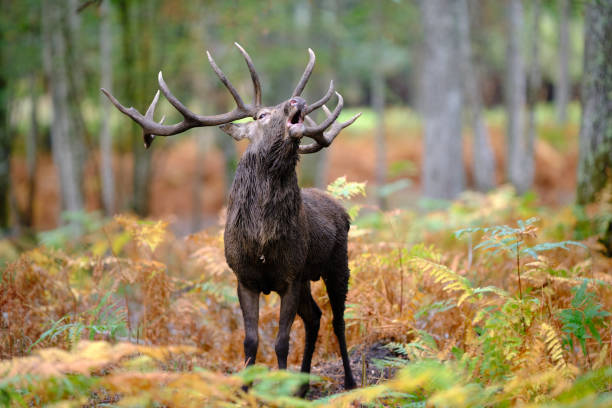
(489, 302)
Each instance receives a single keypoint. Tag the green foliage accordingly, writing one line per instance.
(584, 319)
(508, 239)
(104, 319)
(342, 189)
(345, 190)
(76, 223)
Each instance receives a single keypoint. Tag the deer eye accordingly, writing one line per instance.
(262, 115)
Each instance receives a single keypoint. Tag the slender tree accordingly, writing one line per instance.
(516, 138)
(443, 173)
(377, 102)
(533, 90)
(483, 160)
(106, 138)
(562, 90)
(135, 20)
(595, 160)
(5, 140)
(31, 145)
(67, 128)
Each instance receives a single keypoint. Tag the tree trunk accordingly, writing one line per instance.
(106, 138)
(378, 106)
(595, 159)
(136, 49)
(67, 130)
(533, 91)
(516, 140)
(443, 173)
(562, 90)
(307, 18)
(31, 146)
(6, 142)
(483, 158)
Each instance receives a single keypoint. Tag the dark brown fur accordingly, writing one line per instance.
(279, 237)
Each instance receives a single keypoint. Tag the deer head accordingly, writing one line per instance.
(288, 119)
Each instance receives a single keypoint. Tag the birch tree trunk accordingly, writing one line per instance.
(595, 159)
(67, 123)
(443, 173)
(533, 91)
(106, 138)
(483, 160)
(562, 90)
(378, 106)
(516, 138)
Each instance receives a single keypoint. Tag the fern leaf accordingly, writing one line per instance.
(553, 345)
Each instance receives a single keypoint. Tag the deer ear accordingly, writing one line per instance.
(238, 131)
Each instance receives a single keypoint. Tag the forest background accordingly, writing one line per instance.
(476, 115)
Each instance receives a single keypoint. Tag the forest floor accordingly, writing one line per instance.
(493, 299)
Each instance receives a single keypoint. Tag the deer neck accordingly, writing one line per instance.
(265, 200)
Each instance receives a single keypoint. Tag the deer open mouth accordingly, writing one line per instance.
(297, 117)
(297, 111)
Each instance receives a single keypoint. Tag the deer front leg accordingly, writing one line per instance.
(289, 305)
(249, 304)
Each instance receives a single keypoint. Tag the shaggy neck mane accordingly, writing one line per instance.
(265, 200)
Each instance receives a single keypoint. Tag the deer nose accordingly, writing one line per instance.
(298, 102)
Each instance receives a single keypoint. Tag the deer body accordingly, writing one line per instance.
(278, 237)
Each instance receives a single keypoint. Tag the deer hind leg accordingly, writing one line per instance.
(290, 301)
(336, 282)
(311, 316)
(249, 304)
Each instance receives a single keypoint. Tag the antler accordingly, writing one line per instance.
(325, 133)
(190, 120)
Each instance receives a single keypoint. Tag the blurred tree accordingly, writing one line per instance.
(533, 91)
(6, 139)
(595, 160)
(377, 102)
(309, 33)
(483, 158)
(31, 145)
(562, 90)
(443, 173)
(106, 137)
(517, 144)
(136, 42)
(60, 24)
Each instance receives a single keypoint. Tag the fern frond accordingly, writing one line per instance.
(451, 281)
(553, 345)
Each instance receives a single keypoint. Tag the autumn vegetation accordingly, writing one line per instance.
(487, 287)
(492, 301)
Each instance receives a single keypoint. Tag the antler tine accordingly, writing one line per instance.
(300, 86)
(322, 101)
(190, 120)
(327, 137)
(148, 125)
(254, 76)
(225, 81)
(313, 131)
(187, 114)
(148, 137)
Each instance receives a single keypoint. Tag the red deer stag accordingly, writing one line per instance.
(278, 237)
